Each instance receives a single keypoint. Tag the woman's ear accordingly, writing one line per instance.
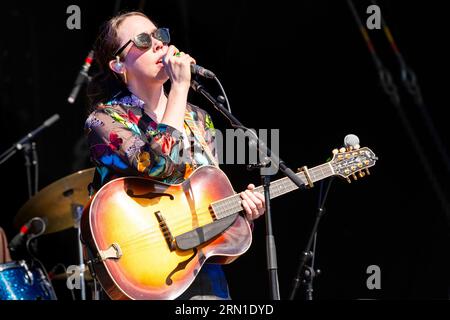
(116, 66)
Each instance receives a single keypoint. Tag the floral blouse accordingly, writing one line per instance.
(124, 140)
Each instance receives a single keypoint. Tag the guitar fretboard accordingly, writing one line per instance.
(231, 205)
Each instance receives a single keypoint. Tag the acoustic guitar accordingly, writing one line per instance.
(149, 240)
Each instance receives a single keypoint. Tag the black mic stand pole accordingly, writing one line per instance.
(26, 147)
(272, 265)
(304, 270)
(271, 251)
(267, 157)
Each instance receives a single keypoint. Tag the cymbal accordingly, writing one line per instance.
(55, 202)
(64, 276)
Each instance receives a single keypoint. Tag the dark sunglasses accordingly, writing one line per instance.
(144, 39)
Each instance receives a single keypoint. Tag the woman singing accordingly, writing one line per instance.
(135, 128)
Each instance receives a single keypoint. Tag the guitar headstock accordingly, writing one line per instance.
(352, 162)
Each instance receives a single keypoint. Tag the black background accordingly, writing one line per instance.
(300, 67)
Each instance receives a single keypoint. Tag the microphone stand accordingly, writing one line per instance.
(77, 211)
(28, 147)
(268, 157)
(303, 269)
(271, 249)
(272, 266)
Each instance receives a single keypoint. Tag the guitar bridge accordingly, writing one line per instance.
(165, 230)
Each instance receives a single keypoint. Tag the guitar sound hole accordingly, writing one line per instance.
(149, 195)
(180, 266)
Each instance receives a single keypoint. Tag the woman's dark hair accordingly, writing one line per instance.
(105, 82)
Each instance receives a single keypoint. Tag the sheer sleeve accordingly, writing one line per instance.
(115, 141)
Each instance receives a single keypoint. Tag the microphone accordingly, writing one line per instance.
(82, 76)
(197, 70)
(351, 140)
(27, 228)
(47, 123)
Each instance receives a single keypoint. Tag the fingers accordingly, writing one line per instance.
(259, 203)
(253, 203)
(248, 210)
(170, 53)
(177, 66)
(261, 198)
(173, 55)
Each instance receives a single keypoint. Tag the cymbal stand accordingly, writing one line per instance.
(77, 211)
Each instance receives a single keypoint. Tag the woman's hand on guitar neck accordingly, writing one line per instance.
(253, 203)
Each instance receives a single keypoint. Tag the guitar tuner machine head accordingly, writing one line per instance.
(352, 162)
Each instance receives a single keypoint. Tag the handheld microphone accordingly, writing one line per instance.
(82, 77)
(197, 70)
(26, 229)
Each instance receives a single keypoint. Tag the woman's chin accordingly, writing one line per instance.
(162, 75)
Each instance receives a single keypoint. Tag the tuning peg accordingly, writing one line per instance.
(361, 174)
(342, 150)
(359, 165)
(353, 168)
(348, 180)
(356, 147)
(354, 176)
(335, 151)
(349, 148)
(368, 172)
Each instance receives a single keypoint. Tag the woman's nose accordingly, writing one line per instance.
(157, 44)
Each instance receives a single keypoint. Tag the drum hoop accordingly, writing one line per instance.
(12, 265)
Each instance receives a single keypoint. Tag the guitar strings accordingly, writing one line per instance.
(152, 232)
(154, 235)
(148, 235)
(184, 221)
(139, 247)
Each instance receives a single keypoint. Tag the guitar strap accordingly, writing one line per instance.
(192, 126)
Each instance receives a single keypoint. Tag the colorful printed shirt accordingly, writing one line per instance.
(123, 140)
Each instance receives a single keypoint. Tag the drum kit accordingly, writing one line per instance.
(60, 205)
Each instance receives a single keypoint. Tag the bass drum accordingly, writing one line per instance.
(20, 282)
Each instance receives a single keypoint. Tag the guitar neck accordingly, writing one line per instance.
(231, 205)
